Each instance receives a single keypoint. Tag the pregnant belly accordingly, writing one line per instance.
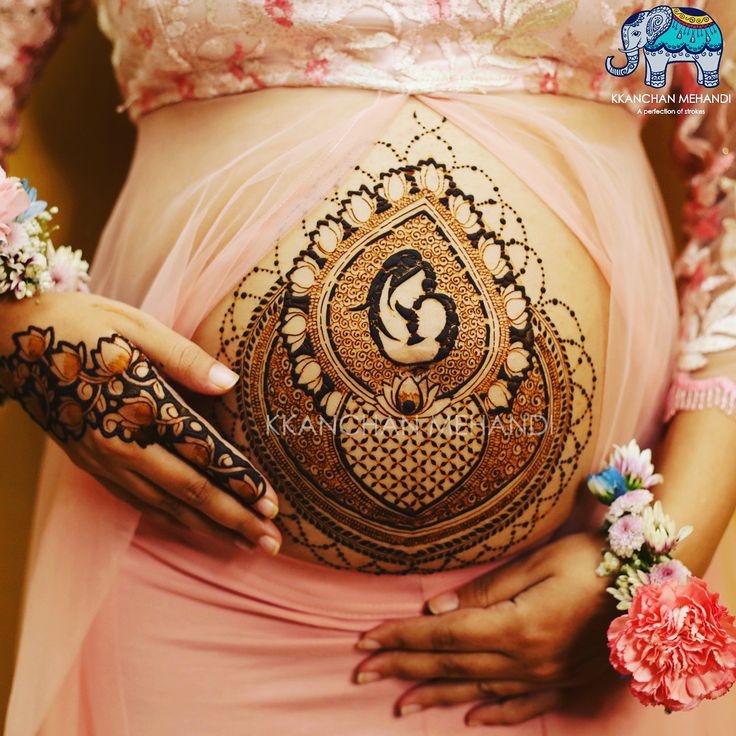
(418, 361)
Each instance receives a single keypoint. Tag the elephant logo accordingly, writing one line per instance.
(668, 35)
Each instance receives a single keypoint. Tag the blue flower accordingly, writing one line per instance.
(607, 485)
(37, 205)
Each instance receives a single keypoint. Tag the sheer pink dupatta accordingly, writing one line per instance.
(224, 223)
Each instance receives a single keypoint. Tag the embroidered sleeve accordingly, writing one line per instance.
(28, 29)
(705, 373)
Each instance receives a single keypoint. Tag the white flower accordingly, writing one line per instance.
(610, 565)
(627, 581)
(67, 268)
(660, 531)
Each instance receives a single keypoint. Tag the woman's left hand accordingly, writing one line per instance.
(518, 636)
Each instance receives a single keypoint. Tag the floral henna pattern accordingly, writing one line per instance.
(418, 398)
(116, 390)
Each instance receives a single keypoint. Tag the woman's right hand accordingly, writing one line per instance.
(93, 373)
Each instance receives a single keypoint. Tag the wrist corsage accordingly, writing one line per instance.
(676, 643)
(29, 262)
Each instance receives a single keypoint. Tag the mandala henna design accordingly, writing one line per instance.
(390, 373)
(117, 391)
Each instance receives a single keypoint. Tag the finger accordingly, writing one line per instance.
(151, 498)
(468, 630)
(500, 584)
(428, 666)
(446, 692)
(183, 483)
(131, 401)
(197, 442)
(515, 710)
(173, 354)
(157, 515)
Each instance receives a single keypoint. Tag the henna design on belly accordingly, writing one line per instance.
(115, 390)
(412, 405)
(410, 323)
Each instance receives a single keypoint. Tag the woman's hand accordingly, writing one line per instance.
(90, 371)
(519, 637)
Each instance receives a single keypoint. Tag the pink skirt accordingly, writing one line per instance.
(199, 637)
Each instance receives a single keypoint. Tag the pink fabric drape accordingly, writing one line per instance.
(226, 219)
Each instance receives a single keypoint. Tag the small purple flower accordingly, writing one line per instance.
(626, 535)
(607, 485)
(672, 571)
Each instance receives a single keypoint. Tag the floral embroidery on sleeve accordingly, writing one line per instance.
(706, 270)
(27, 31)
(707, 267)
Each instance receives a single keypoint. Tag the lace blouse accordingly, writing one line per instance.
(166, 51)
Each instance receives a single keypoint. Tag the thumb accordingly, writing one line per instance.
(500, 584)
(179, 358)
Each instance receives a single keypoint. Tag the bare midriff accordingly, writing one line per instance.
(420, 358)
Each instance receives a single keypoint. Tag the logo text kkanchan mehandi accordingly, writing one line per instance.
(672, 98)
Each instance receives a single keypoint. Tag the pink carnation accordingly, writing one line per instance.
(677, 643)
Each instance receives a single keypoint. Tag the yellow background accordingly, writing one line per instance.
(75, 150)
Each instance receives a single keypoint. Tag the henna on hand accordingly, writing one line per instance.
(115, 389)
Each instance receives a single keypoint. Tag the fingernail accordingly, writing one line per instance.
(444, 603)
(222, 377)
(409, 708)
(368, 644)
(267, 507)
(362, 678)
(269, 544)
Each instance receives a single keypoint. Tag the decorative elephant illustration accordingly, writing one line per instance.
(666, 35)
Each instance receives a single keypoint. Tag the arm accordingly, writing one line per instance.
(696, 457)
(124, 424)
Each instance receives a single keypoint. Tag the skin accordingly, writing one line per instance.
(490, 641)
(151, 478)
